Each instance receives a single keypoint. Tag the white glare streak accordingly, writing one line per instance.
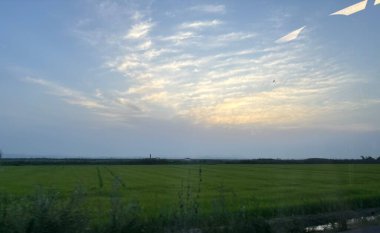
(352, 9)
(291, 36)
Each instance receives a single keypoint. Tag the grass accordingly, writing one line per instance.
(183, 196)
(260, 186)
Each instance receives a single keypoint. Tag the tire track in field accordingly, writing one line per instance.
(116, 177)
(100, 178)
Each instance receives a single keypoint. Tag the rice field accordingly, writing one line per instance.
(270, 190)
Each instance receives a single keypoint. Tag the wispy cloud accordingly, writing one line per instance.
(291, 36)
(69, 95)
(221, 9)
(200, 24)
(112, 106)
(145, 45)
(352, 9)
(180, 36)
(139, 30)
(137, 16)
(235, 36)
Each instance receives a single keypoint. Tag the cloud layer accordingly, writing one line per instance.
(205, 71)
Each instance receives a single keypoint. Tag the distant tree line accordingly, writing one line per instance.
(369, 158)
(155, 161)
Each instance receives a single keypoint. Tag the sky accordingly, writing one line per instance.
(200, 79)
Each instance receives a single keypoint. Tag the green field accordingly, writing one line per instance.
(268, 189)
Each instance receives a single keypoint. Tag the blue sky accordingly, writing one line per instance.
(236, 79)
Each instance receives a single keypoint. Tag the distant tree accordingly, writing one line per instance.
(367, 158)
(378, 158)
(1, 154)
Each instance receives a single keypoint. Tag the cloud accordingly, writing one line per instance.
(221, 9)
(107, 106)
(377, 2)
(137, 15)
(200, 24)
(235, 36)
(291, 36)
(145, 45)
(107, 20)
(180, 37)
(352, 9)
(204, 76)
(139, 30)
(233, 87)
(69, 95)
